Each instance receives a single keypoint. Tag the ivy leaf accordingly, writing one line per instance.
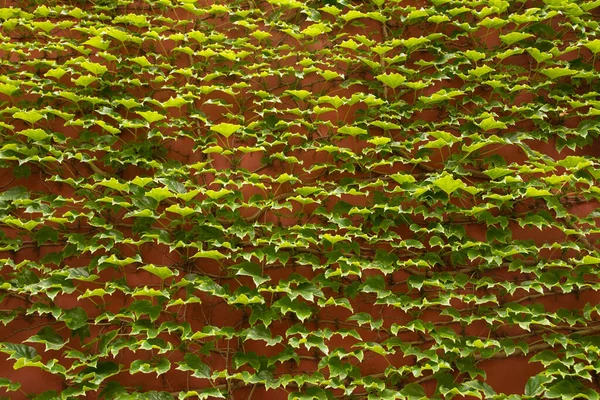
(558, 72)
(413, 391)
(162, 272)
(162, 366)
(440, 95)
(352, 130)
(379, 140)
(490, 123)
(36, 134)
(159, 194)
(301, 94)
(8, 385)
(589, 260)
(8, 89)
(316, 29)
(212, 254)
(74, 318)
(151, 116)
(19, 351)
(97, 42)
(393, 80)
(252, 270)
(48, 336)
(94, 68)
(226, 129)
(310, 393)
(538, 55)
(474, 55)
(567, 389)
(481, 71)
(535, 385)
(217, 194)
(85, 80)
(498, 172)
(546, 357)
(192, 362)
(593, 45)
(142, 61)
(533, 192)
(31, 116)
(514, 37)
(174, 102)
(262, 333)
(203, 394)
(14, 193)
(45, 234)
(448, 184)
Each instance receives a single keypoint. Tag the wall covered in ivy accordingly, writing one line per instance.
(284, 199)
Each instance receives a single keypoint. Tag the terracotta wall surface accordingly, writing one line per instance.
(298, 199)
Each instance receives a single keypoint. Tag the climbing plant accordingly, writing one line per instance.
(299, 199)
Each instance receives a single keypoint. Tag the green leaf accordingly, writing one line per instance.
(413, 43)
(212, 254)
(75, 318)
(14, 193)
(35, 134)
(490, 123)
(151, 116)
(8, 89)
(226, 129)
(514, 37)
(262, 333)
(98, 43)
(113, 183)
(413, 391)
(85, 80)
(160, 367)
(538, 55)
(533, 192)
(175, 102)
(567, 389)
(448, 184)
(94, 68)
(8, 385)
(535, 385)
(31, 116)
(316, 29)
(159, 194)
(589, 260)
(192, 362)
(211, 393)
(481, 71)
(474, 55)
(593, 45)
(440, 95)
(48, 336)
(352, 130)
(379, 140)
(142, 61)
(546, 357)
(301, 94)
(496, 173)
(46, 26)
(46, 234)
(252, 270)
(217, 194)
(558, 72)
(393, 80)
(162, 272)
(19, 351)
